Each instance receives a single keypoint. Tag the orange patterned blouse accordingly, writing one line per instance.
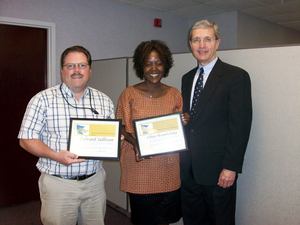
(159, 173)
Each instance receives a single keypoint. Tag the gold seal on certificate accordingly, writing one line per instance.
(95, 138)
(160, 135)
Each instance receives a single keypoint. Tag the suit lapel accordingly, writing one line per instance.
(210, 86)
(188, 86)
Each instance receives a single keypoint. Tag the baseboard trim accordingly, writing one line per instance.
(118, 208)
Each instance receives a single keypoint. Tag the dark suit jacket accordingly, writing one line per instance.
(218, 134)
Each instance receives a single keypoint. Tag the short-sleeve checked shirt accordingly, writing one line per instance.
(47, 118)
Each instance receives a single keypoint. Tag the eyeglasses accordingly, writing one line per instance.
(72, 66)
(205, 40)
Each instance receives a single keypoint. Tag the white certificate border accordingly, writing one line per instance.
(116, 122)
(138, 122)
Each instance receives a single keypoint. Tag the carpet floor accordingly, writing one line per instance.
(29, 214)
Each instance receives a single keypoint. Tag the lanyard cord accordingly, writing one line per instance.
(90, 96)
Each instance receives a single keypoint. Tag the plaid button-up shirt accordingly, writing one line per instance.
(47, 118)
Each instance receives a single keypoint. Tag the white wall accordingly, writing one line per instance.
(107, 29)
(111, 30)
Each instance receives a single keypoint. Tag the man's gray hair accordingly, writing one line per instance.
(205, 24)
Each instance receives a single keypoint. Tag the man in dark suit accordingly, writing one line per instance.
(217, 132)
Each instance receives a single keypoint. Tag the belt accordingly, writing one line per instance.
(80, 177)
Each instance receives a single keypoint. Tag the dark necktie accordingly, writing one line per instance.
(197, 91)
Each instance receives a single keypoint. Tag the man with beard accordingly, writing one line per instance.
(71, 189)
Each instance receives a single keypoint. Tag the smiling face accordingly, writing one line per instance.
(76, 72)
(204, 45)
(153, 68)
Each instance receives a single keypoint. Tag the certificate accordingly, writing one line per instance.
(95, 138)
(160, 135)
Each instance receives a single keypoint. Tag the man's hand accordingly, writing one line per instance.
(185, 117)
(67, 158)
(226, 178)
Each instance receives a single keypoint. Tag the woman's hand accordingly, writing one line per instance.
(137, 155)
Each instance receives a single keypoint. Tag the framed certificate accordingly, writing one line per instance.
(95, 138)
(160, 135)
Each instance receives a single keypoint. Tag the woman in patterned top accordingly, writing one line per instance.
(153, 184)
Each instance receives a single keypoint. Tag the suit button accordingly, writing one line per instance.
(192, 130)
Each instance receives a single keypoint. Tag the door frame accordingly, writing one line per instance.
(51, 55)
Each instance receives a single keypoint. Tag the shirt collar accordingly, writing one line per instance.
(207, 68)
(67, 91)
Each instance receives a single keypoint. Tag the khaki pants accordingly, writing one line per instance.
(67, 202)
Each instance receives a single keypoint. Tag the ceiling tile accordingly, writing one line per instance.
(167, 5)
(272, 2)
(276, 11)
(294, 25)
(198, 10)
(261, 12)
(286, 17)
(234, 4)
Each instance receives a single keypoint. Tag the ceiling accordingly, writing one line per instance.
(282, 12)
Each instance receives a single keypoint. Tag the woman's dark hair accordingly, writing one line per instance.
(144, 49)
(75, 48)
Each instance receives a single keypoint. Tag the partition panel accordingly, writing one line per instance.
(269, 187)
(109, 76)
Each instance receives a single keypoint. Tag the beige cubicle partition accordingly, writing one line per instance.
(109, 76)
(269, 187)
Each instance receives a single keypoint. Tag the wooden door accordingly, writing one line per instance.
(23, 72)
